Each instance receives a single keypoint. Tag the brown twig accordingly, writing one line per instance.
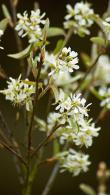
(45, 140)
(10, 149)
(51, 179)
(87, 73)
(12, 142)
(39, 65)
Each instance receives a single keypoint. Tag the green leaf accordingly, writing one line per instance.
(54, 31)
(29, 82)
(21, 54)
(95, 93)
(6, 12)
(45, 30)
(56, 147)
(55, 91)
(86, 59)
(59, 46)
(87, 189)
(98, 40)
(3, 24)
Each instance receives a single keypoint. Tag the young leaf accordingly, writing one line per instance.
(59, 46)
(55, 91)
(54, 31)
(21, 54)
(98, 40)
(86, 59)
(3, 24)
(87, 189)
(6, 12)
(45, 30)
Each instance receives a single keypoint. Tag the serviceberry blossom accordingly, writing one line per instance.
(81, 132)
(66, 61)
(74, 162)
(86, 132)
(105, 93)
(1, 34)
(72, 112)
(102, 73)
(59, 67)
(30, 26)
(79, 18)
(61, 78)
(73, 104)
(64, 102)
(19, 92)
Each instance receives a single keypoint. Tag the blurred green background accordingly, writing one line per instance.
(100, 151)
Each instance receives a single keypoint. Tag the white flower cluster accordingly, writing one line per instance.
(1, 34)
(78, 127)
(59, 67)
(19, 92)
(79, 18)
(102, 72)
(65, 62)
(72, 113)
(105, 93)
(74, 162)
(30, 26)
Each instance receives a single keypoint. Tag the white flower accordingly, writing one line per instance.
(68, 60)
(106, 27)
(79, 17)
(54, 119)
(86, 132)
(102, 73)
(105, 93)
(83, 13)
(65, 62)
(19, 92)
(62, 79)
(74, 162)
(74, 104)
(78, 105)
(1, 34)
(64, 102)
(80, 131)
(49, 61)
(30, 26)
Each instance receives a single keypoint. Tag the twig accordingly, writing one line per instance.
(4, 124)
(18, 40)
(51, 180)
(39, 65)
(68, 36)
(45, 140)
(87, 73)
(13, 152)
(10, 135)
(13, 9)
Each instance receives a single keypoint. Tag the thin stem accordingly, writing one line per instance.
(10, 149)
(18, 40)
(51, 180)
(34, 104)
(87, 73)
(13, 9)
(68, 36)
(12, 143)
(4, 124)
(45, 140)
(28, 187)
